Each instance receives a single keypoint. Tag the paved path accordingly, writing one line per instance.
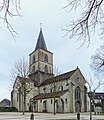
(46, 116)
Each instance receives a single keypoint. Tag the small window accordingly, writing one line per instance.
(40, 100)
(34, 59)
(61, 87)
(67, 83)
(51, 90)
(77, 78)
(33, 68)
(46, 69)
(51, 101)
(44, 89)
(46, 58)
(66, 101)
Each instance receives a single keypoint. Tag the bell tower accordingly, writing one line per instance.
(40, 61)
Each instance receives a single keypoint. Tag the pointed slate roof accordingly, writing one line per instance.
(41, 42)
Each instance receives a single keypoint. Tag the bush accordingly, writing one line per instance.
(8, 109)
(98, 104)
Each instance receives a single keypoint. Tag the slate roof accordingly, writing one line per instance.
(99, 96)
(50, 80)
(50, 95)
(41, 42)
(5, 103)
(59, 77)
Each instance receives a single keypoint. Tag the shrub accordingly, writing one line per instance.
(8, 109)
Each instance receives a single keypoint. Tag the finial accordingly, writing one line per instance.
(41, 26)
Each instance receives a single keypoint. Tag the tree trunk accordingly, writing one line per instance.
(90, 109)
(54, 106)
(23, 100)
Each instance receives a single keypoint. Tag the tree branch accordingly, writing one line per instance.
(9, 9)
(91, 17)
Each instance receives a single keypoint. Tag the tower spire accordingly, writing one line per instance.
(41, 42)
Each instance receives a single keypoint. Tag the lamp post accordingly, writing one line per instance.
(90, 96)
(54, 99)
(32, 105)
(79, 109)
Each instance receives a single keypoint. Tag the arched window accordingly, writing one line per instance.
(61, 88)
(46, 58)
(46, 69)
(45, 106)
(33, 68)
(77, 93)
(34, 59)
(51, 90)
(66, 100)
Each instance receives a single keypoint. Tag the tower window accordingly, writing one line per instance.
(61, 88)
(46, 58)
(41, 55)
(33, 68)
(77, 78)
(46, 69)
(34, 59)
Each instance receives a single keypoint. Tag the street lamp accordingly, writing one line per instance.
(90, 96)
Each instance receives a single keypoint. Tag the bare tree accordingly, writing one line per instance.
(97, 66)
(20, 72)
(8, 10)
(24, 87)
(93, 85)
(97, 62)
(90, 20)
(20, 68)
(56, 71)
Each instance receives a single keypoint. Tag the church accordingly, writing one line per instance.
(45, 92)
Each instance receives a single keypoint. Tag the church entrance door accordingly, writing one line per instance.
(62, 106)
(44, 106)
(77, 106)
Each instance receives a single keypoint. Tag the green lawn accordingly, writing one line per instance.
(71, 119)
(101, 113)
(63, 119)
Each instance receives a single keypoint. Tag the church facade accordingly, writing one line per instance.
(48, 93)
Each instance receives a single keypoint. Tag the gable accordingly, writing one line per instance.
(77, 78)
(58, 78)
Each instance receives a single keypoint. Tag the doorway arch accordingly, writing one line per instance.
(45, 106)
(61, 105)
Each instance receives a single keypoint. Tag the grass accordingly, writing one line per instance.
(101, 113)
(71, 119)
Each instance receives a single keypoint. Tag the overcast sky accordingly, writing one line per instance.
(66, 56)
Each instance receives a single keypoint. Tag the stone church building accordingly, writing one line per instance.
(45, 92)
